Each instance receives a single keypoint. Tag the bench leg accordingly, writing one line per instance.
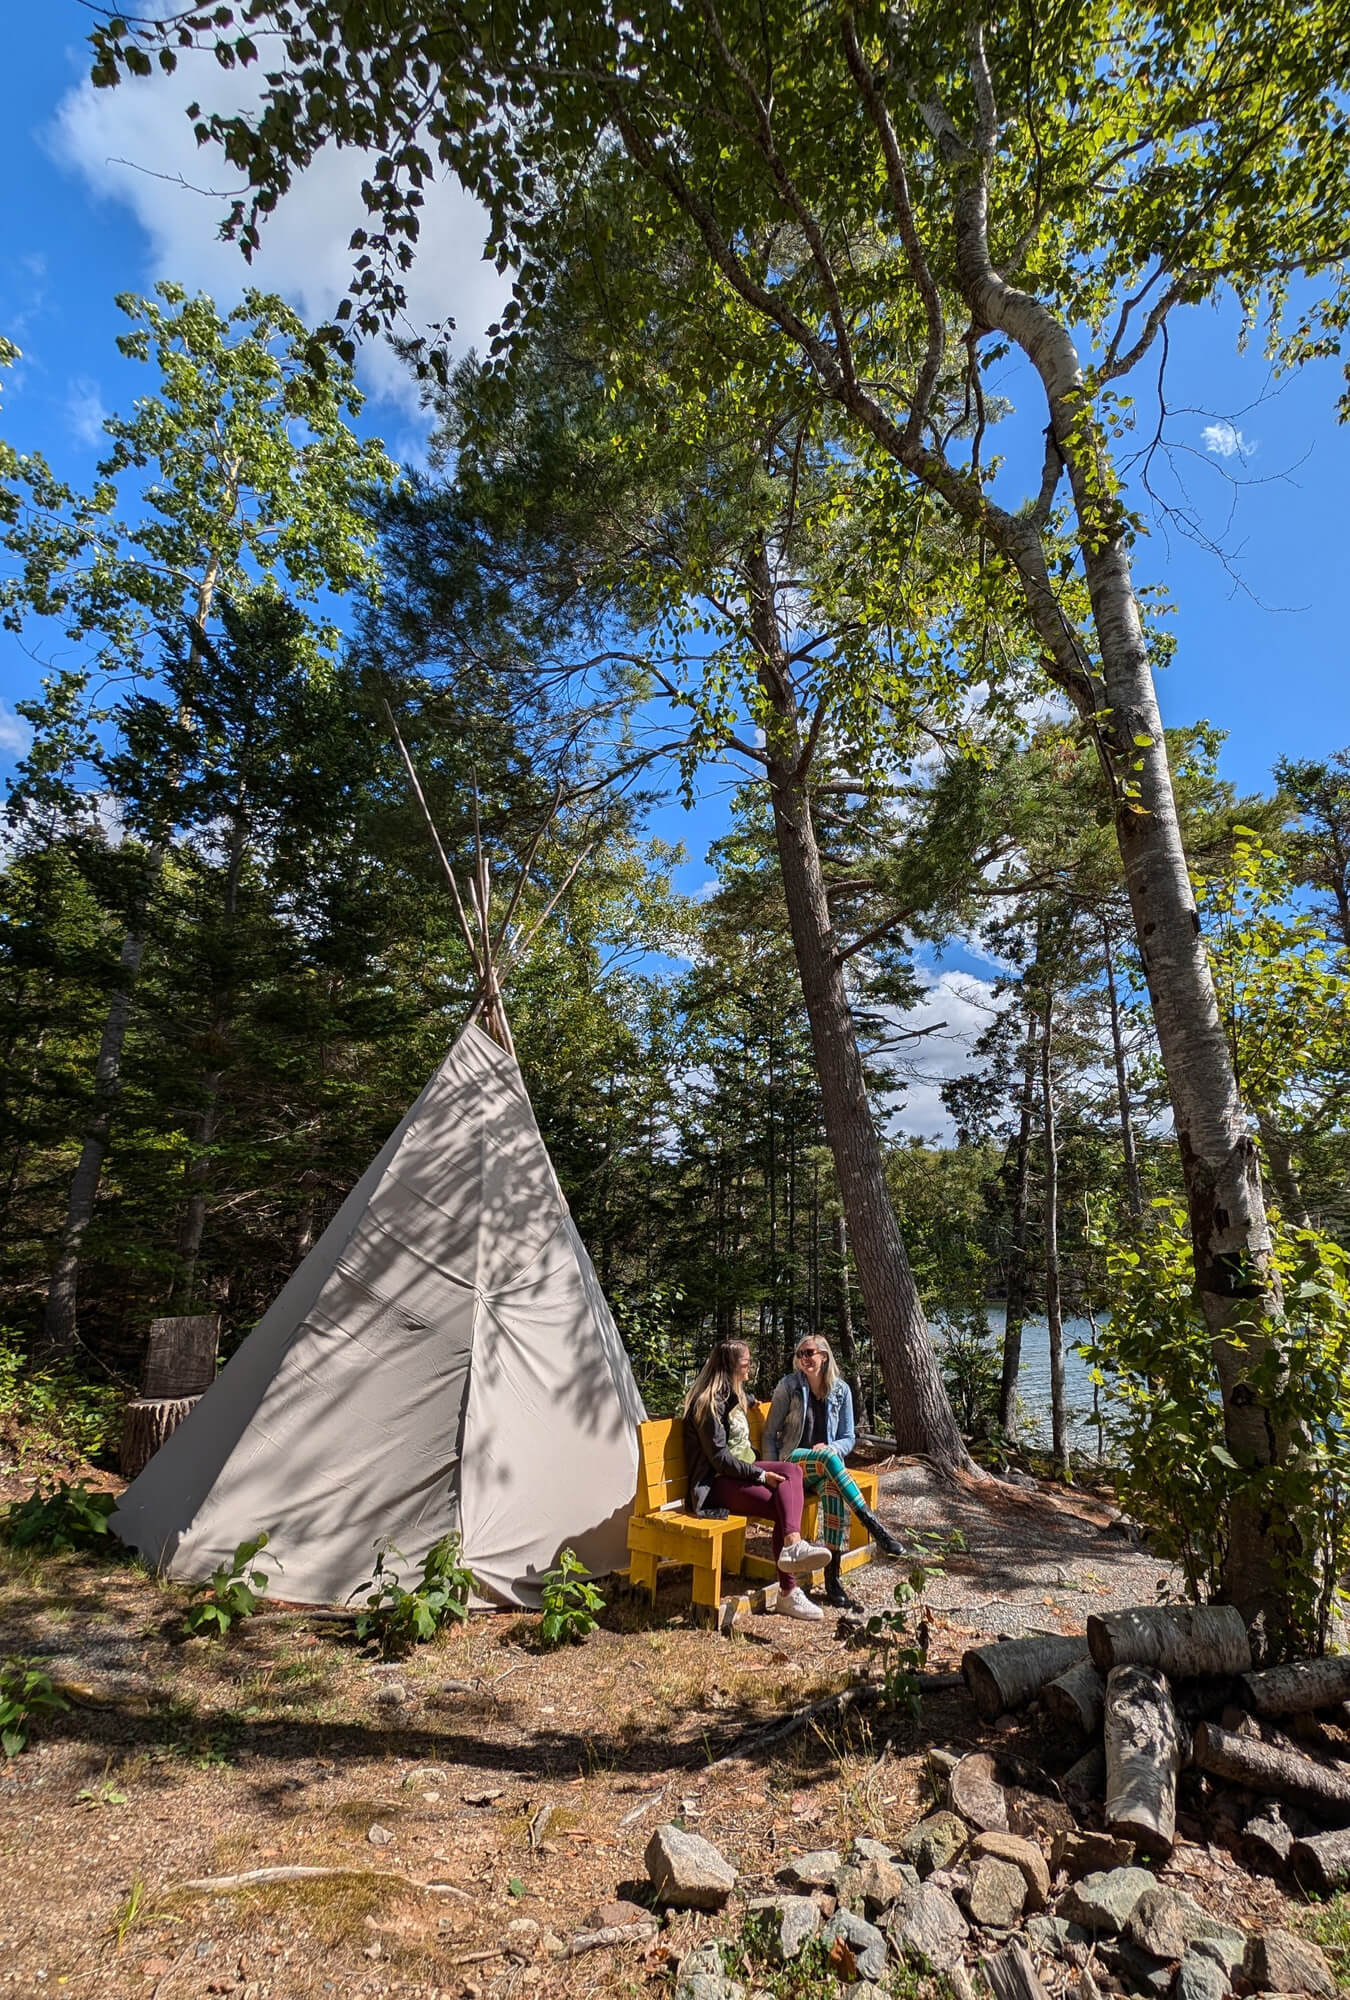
(642, 1573)
(733, 1552)
(708, 1581)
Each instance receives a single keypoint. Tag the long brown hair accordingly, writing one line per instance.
(716, 1380)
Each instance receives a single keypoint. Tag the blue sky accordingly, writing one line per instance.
(96, 208)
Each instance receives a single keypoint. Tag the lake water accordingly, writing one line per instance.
(1033, 1380)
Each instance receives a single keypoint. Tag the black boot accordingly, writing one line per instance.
(878, 1530)
(835, 1592)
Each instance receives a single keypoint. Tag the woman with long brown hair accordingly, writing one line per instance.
(726, 1477)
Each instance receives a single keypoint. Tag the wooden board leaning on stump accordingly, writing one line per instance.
(180, 1365)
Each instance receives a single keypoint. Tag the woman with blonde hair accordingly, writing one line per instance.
(725, 1477)
(810, 1424)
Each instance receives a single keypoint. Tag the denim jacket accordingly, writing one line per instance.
(785, 1425)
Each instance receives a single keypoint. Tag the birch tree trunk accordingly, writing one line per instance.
(1015, 1310)
(1133, 1192)
(1231, 1241)
(1059, 1435)
(920, 1412)
(1280, 1160)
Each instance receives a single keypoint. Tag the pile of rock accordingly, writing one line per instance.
(949, 1895)
(1052, 1909)
(1039, 1883)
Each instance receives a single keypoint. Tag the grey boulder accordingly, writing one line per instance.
(1165, 1924)
(700, 1976)
(935, 1842)
(818, 1870)
(1283, 1963)
(791, 1921)
(1104, 1902)
(687, 1871)
(1201, 1978)
(928, 1925)
(864, 1941)
(997, 1894)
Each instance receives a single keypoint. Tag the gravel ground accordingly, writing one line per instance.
(1034, 1561)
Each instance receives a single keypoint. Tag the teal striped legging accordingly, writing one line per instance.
(825, 1474)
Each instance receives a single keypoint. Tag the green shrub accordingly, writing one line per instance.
(898, 1639)
(26, 1695)
(399, 1619)
(569, 1602)
(1178, 1477)
(645, 1315)
(54, 1412)
(60, 1520)
(235, 1591)
(971, 1359)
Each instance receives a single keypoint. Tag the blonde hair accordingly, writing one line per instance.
(830, 1373)
(716, 1380)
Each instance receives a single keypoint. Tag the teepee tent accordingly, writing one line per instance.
(443, 1360)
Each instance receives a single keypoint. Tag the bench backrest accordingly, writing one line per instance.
(663, 1476)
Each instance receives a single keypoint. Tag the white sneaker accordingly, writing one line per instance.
(795, 1603)
(801, 1557)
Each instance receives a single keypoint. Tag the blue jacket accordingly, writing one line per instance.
(785, 1425)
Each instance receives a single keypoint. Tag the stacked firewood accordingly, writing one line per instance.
(1149, 1691)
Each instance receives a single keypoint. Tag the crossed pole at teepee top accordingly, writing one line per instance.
(492, 965)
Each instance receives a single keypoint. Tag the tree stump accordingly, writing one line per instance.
(181, 1357)
(146, 1424)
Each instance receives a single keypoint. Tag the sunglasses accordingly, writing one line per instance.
(810, 1354)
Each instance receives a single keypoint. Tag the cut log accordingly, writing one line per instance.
(147, 1422)
(1088, 1775)
(1298, 1688)
(1322, 1862)
(1076, 1700)
(975, 1793)
(181, 1357)
(1185, 1640)
(1143, 1756)
(1007, 1676)
(1279, 1774)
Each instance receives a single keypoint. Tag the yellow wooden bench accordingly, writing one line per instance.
(660, 1529)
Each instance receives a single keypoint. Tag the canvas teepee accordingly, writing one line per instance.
(443, 1359)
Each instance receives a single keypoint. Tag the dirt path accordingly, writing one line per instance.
(523, 1785)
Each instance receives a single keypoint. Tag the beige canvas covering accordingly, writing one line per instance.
(443, 1359)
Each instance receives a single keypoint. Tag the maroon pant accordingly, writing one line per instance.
(780, 1504)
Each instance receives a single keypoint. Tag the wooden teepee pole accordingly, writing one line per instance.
(494, 1007)
(420, 796)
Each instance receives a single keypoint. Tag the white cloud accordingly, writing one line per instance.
(85, 413)
(1225, 440)
(15, 735)
(134, 145)
(956, 1009)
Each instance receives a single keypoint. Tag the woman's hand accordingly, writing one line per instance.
(773, 1478)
